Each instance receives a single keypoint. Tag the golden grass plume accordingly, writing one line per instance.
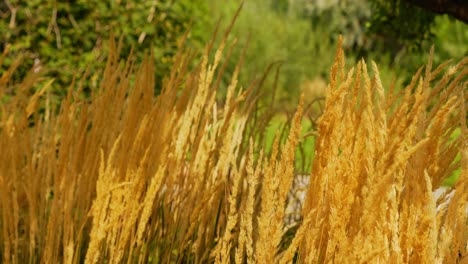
(128, 176)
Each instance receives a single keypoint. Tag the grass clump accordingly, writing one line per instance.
(180, 178)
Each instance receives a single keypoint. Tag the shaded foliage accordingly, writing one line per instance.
(400, 19)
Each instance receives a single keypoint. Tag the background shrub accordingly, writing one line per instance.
(67, 36)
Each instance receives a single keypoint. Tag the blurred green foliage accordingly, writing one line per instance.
(275, 37)
(450, 38)
(400, 19)
(69, 36)
(393, 33)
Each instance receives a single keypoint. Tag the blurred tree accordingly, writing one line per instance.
(401, 20)
(412, 21)
(396, 33)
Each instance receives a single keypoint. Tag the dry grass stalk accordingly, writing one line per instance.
(376, 168)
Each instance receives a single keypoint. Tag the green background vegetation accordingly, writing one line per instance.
(67, 38)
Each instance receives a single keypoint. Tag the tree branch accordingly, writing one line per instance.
(455, 8)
